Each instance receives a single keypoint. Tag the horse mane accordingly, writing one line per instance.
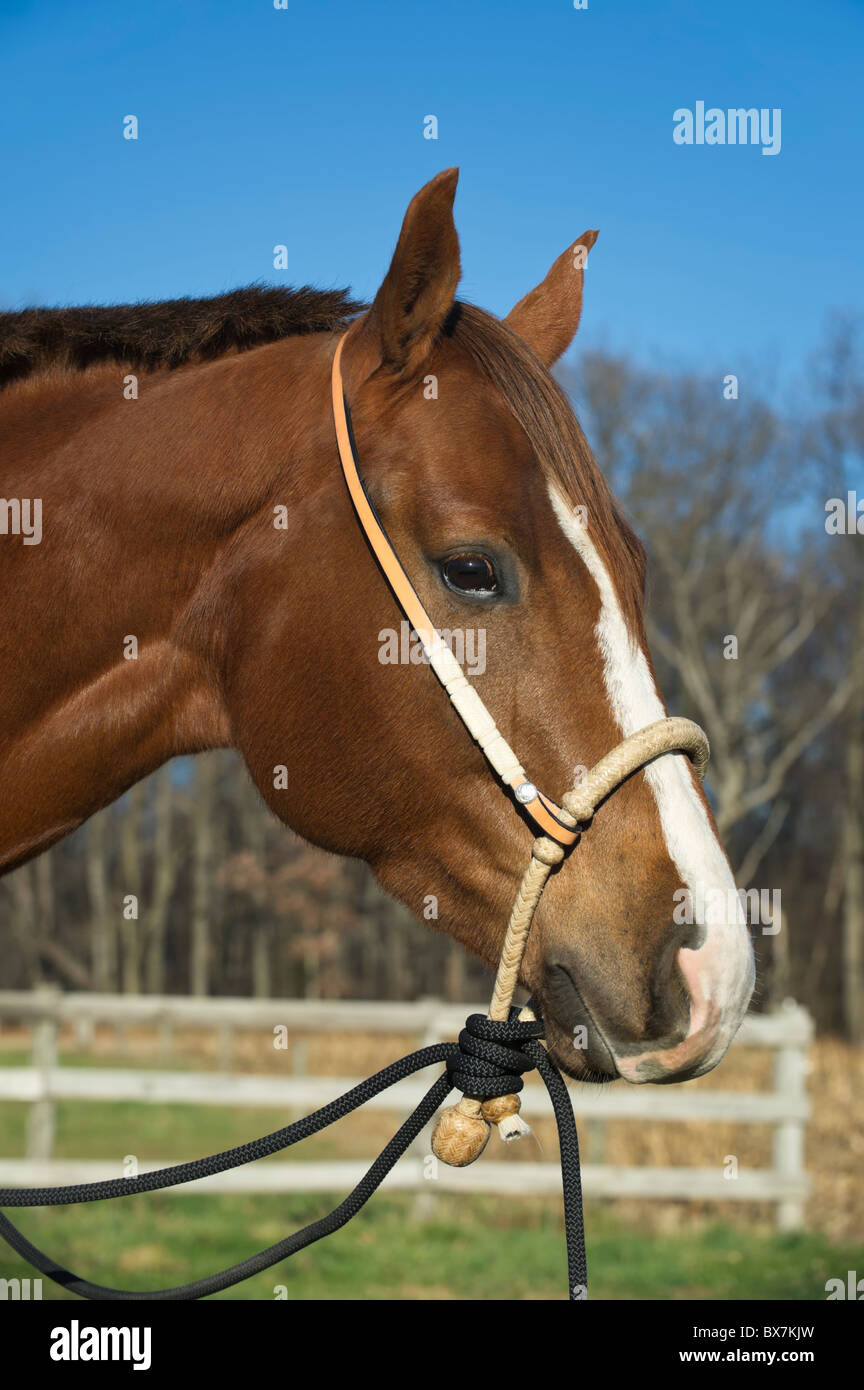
(167, 333)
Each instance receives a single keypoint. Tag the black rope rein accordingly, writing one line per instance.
(487, 1061)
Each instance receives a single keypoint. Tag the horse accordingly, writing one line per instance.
(200, 582)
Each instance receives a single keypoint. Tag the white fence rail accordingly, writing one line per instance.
(44, 1083)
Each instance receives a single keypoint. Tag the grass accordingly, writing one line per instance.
(458, 1250)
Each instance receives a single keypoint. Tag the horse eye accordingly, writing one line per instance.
(470, 574)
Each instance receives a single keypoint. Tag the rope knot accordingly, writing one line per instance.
(488, 1070)
(490, 1060)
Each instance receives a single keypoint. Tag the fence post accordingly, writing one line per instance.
(790, 1071)
(42, 1119)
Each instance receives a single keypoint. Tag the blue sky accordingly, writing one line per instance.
(305, 127)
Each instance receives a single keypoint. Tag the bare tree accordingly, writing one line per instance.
(103, 924)
(853, 838)
(203, 873)
(164, 875)
(130, 860)
(837, 439)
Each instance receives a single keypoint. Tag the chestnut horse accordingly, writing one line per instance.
(203, 513)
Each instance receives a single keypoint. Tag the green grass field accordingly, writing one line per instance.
(460, 1250)
(448, 1247)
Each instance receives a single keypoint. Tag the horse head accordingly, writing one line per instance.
(477, 468)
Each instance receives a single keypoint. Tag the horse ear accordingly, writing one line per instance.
(418, 290)
(548, 316)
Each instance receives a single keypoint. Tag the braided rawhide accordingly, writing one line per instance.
(463, 1130)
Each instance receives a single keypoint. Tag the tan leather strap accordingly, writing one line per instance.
(547, 816)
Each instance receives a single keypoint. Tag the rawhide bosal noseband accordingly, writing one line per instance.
(492, 1052)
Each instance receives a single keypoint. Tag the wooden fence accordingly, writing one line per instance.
(785, 1107)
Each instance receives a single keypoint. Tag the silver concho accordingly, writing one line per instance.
(525, 792)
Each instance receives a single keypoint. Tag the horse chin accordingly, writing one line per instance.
(575, 1043)
(584, 1064)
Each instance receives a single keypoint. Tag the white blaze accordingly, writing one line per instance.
(720, 973)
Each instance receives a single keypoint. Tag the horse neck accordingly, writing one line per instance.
(111, 637)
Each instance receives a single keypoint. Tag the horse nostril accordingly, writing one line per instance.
(669, 1019)
(690, 936)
